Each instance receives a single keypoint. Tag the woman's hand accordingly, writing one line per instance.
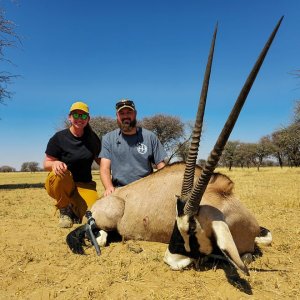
(59, 167)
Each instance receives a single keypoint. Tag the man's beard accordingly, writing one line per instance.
(126, 125)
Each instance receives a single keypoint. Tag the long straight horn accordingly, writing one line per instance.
(192, 205)
(188, 179)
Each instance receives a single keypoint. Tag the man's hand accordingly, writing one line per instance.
(108, 191)
(105, 176)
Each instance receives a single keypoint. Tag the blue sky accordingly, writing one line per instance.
(154, 52)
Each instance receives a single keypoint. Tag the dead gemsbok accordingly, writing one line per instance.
(206, 214)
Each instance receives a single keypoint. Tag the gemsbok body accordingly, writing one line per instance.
(194, 210)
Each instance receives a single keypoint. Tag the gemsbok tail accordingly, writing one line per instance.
(265, 237)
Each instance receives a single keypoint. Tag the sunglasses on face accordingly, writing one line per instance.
(81, 116)
(125, 103)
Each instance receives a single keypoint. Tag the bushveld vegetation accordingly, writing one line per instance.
(36, 263)
(282, 147)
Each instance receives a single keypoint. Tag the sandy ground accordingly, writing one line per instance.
(35, 262)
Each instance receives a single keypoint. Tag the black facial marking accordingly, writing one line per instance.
(176, 244)
(192, 226)
(180, 207)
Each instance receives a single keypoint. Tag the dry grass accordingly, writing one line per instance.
(36, 263)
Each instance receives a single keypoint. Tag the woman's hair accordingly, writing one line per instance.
(88, 129)
(95, 143)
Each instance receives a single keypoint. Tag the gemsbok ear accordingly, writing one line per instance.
(226, 244)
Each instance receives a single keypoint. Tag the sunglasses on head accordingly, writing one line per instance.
(81, 116)
(125, 103)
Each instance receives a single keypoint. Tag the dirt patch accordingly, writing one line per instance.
(36, 263)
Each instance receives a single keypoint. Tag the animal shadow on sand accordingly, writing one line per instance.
(218, 261)
(14, 186)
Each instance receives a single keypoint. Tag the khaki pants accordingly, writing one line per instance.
(80, 195)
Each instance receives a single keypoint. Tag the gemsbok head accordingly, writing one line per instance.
(189, 238)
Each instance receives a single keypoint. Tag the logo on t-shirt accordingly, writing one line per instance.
(141, 148)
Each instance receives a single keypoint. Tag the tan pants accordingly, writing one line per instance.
(65, 191)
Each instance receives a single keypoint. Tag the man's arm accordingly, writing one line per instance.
(105, 176)
(159, 153)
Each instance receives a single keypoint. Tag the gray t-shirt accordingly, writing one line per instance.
(131, 155)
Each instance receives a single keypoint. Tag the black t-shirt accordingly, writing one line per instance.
(78, 153)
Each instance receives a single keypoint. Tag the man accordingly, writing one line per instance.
(129, 152)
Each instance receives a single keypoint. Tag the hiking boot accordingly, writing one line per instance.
(65, 218)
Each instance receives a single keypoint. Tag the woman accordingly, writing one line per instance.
(69, 157)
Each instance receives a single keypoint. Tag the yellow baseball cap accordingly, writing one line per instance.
(80, 106)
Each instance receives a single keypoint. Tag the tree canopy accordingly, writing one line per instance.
(30, 166)
(281, 147)
(8, 38)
